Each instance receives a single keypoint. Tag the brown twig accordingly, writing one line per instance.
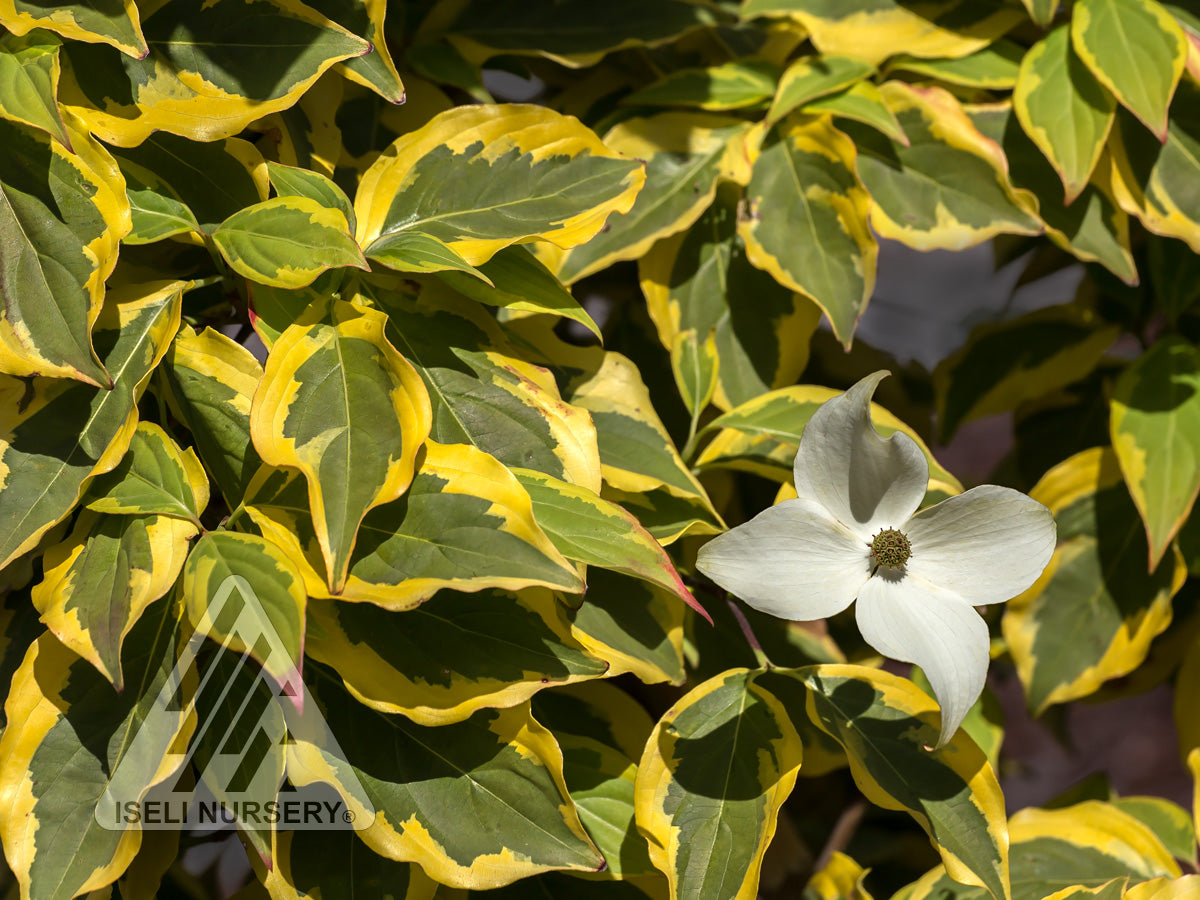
(843, 831)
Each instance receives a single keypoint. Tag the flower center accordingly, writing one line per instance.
(891, 548)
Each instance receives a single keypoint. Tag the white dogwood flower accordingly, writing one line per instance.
(854, 532)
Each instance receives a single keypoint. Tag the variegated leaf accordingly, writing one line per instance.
(56, 434)
(224, 563)
(116, 24)
(29, 72)
(685, 154)
(1153, 180)
(1093, 847)
(420, 779)
(191, 82)
(1136, 49)
(100, 580)
(481, 178)
(62, 215)
(731, 85)
(806, 220)
(872, 30)
(632, 625)
(336, 865)
(374, 69)
(338, 403)
(1004, 364)
(1093, 228)
(291, 181)
(715, 772)
(1155, 426)
(1092, 614)
(414, 251)
(995, 67)
(287, 242)
(507, 646)
(68, 730)
(154, 477)
(762, 436)
(515, 279)
(193, 181)
(484, 391)
(701, 281)
(602, 732)
(1063, 109)
(887, 728)
(209, 381)
(590, 530)
(811, 77)
(861, 102)
(465, 523)
(948, 188)
(568, 31)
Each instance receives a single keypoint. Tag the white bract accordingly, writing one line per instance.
(917, 587)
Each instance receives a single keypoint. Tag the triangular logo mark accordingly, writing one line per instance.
(251, 734)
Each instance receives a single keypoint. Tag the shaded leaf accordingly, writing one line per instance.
(500, 764)
(506, 647)
(632, 625)
(701, 281)
(1153, 180)
(374, 69)
(1093, 612)
(1004, 364)
(568, 31)
(336, 865)
(716, 771)
(212, 181)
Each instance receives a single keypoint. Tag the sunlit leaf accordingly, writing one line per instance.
(481, 178)
(341, 405)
